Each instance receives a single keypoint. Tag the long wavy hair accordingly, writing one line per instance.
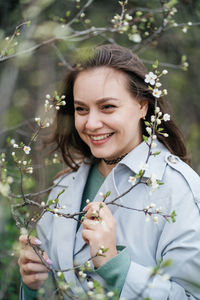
(119, 58)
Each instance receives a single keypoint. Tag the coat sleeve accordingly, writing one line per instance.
(178, 242)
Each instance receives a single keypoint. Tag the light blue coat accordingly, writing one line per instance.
(147, 242)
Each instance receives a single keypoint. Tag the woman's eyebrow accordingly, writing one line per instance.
(99, 101)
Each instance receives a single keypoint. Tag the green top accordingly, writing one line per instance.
(115, 270)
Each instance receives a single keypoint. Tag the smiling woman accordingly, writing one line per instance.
(102, 109)
(100, 134)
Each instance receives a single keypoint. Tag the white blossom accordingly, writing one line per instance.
(136, 37)
(27, 149)
(149, 130)
(57, 107)
(153, 118)
(132, 180)
(128, 17)
(159, 209)
(100, 252)
(87, 201)
(164, 72)
(12, 141)
(154, 137)
(29, 170)
(158, 84)
(157, 109)
(150, 78)
(154, 183)
(110, 294)
(166, 117)
(165, 92)
(165, 134)
(48, 96)
(15, 146)
(153, 145)
(156, 93)
(184, 29)
(90, 284)
(158, 121)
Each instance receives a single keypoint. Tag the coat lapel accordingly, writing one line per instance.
(65, 229)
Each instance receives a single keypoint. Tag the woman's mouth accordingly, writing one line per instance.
(100, 138)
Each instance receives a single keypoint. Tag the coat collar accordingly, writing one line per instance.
(156, 164)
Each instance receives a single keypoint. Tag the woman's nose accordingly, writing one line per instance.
(93, 121)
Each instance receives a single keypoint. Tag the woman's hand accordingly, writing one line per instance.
(33, 271)
(99, 229)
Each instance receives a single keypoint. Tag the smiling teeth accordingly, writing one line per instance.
(100, 137)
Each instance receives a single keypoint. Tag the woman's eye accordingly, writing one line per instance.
(109, 106)
(80, 109)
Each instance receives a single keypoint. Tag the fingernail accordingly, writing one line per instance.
(49, 261)
(38, 242)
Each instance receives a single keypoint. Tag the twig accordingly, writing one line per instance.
(80, 12)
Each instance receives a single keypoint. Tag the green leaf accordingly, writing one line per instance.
(147, 123)
(60, 193)
(145, 138)
(156, 153)
(155, 65)
(108, 194)
(160, 129)
(68, 13)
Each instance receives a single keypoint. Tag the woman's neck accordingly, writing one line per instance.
(104, 168)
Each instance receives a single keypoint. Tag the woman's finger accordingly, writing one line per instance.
(23, 239)
(30, 268)
(35, 279)
(87, 236)
(91, 224)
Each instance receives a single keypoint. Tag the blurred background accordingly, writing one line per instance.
(165, 30)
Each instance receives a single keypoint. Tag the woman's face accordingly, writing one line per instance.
(107, 116)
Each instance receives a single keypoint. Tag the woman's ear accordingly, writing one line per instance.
(143, 108)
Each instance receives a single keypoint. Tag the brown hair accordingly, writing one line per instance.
(119, 58)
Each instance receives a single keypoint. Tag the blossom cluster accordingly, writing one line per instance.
(18, 155)
(5, 179)
(51, 103)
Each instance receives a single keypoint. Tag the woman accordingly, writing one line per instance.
(107, 101)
